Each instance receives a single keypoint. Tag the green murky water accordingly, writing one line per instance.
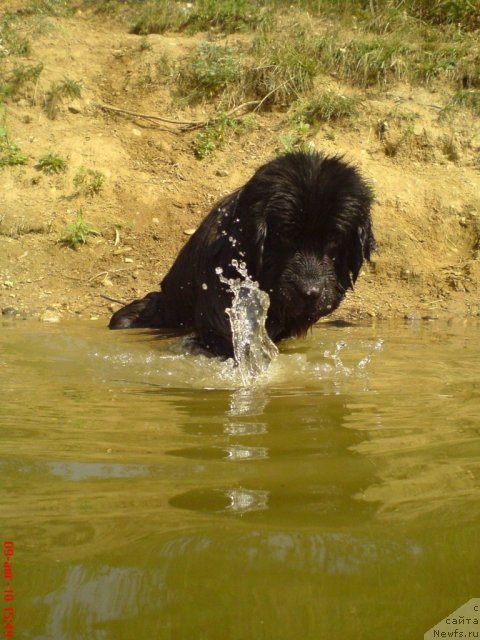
(148, 496)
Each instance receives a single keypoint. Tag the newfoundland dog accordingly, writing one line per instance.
(302, 227)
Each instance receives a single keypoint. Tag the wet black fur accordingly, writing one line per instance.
(302, 226)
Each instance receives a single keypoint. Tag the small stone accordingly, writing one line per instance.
(120, 250)
(9, 311)
(411, 316)
(50, 316)
(75, 107)
(189, 232)
(222, 173)
(129, 260)
(8, 284)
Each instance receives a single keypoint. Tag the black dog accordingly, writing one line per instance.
(301, 225)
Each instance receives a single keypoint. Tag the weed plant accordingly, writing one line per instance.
(214, 135)
(296, 139)
(88, 181)
(10, 153)
(51, 163)
(78, 232)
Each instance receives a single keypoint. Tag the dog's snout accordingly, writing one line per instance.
(311, 291)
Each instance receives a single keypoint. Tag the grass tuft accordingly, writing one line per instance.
(228, 16)
(21, 74)
(283, 68)
(12, 42)
(51, 7)
(208, 71)
(157, 17)
(325, 107)
(468, 99)
(58, 91)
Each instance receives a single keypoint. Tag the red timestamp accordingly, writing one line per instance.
(8, 594)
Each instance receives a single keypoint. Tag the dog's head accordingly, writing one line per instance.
(305, 230)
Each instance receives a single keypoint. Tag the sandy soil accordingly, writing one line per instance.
(426, 215)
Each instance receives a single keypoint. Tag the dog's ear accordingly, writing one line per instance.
(250, 229)
(362, 245)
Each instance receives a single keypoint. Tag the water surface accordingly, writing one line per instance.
(150, 495)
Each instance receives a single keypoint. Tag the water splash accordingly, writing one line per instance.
(338, 364)
(252, 347)
(365, 361)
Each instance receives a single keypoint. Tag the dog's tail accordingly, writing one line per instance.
(139, 314)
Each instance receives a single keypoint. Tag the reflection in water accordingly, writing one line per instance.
(238, 501)
(248, 401)
(175, 576)
(149, 495)
(244, 428)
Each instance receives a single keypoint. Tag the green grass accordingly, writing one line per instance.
(228, 16)
(208, 71)
(461, 13)
(324, 107)
(89, 181)
(78, 232)
(283, 68)
(468, 99)
(155, 72)
(214, 135)
(157, 17)
(10, 153)
(364, 63)
(51, 7)
(11, 82)
(11, 41)
(58, 91)
(464, 13)
(51, 163)
(463, 99)
(296, 139)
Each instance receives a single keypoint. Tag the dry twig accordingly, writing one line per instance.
(188, 125)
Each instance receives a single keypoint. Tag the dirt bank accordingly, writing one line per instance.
(151, 189)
